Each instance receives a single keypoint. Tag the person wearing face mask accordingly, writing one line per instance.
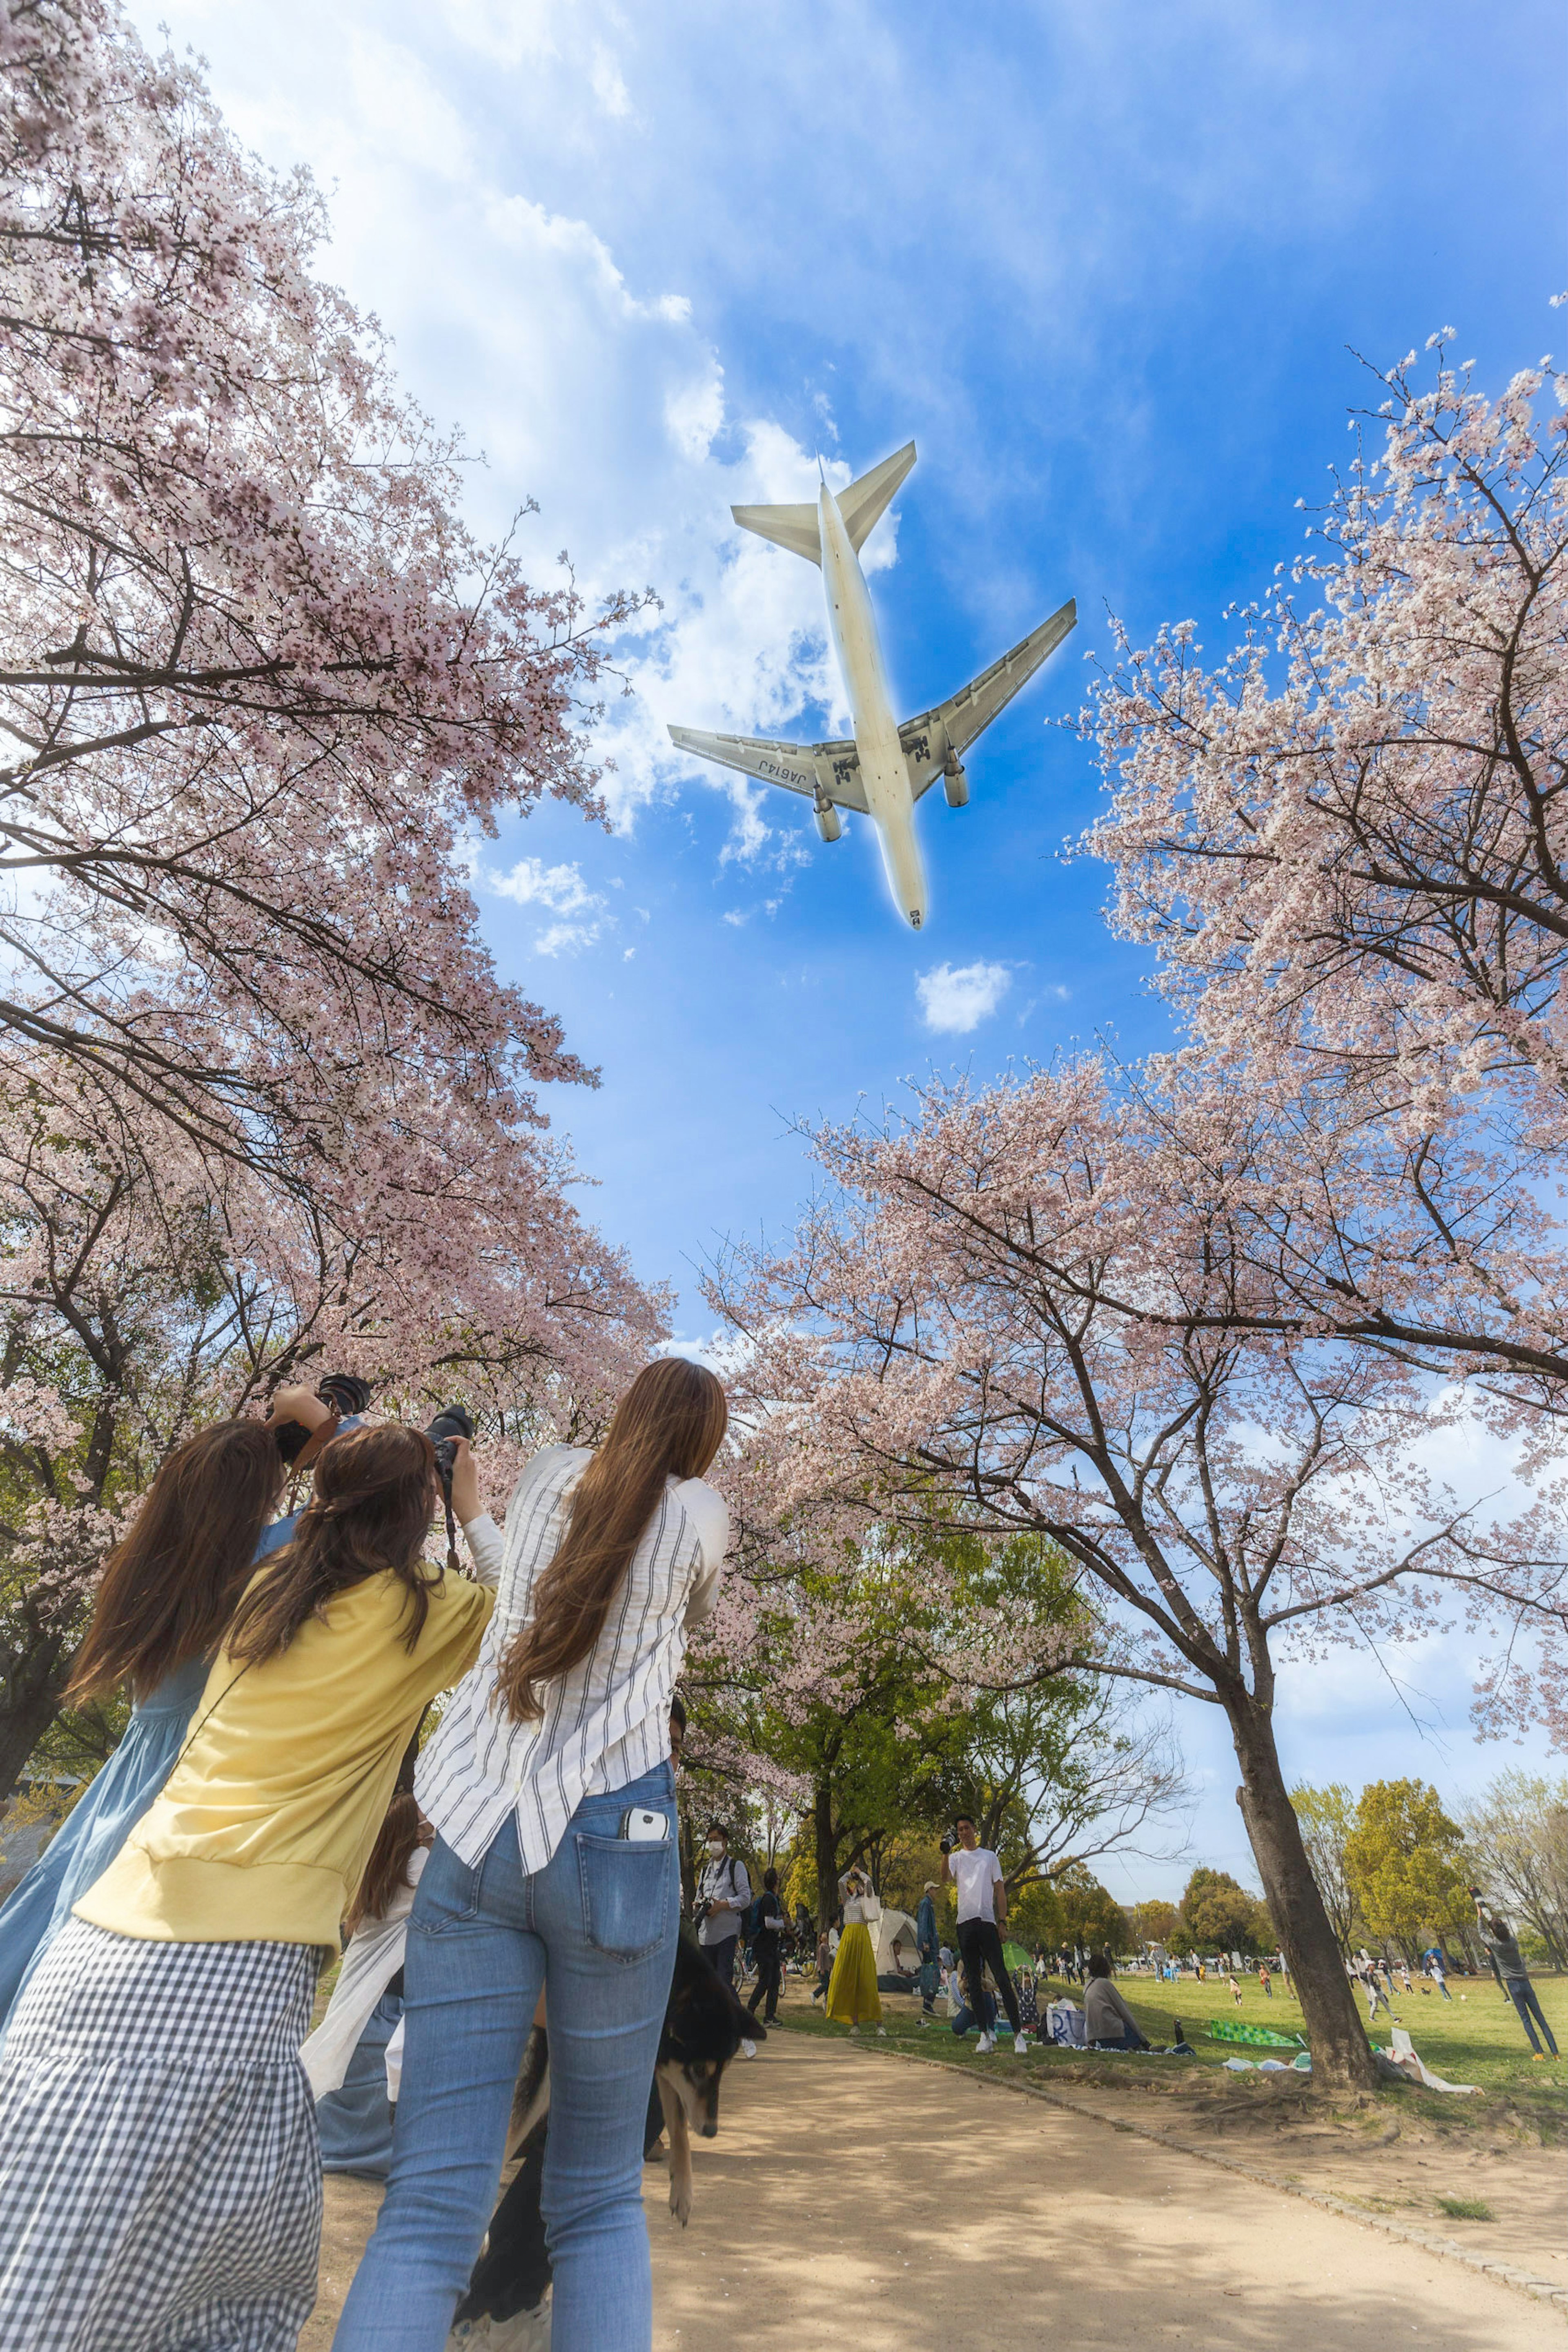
(723, 1890)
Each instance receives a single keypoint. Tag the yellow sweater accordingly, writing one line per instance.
(265, 1824)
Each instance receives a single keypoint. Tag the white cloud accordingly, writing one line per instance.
(565, 939)
(955, 998)
(532, 883)
(561, 890)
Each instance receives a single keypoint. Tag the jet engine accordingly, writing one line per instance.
(829, 824)
(956, 785)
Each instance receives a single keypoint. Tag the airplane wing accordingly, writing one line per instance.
(830, 769)
(956, 723)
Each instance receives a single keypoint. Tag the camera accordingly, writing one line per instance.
(451, 1423)
(945, 1846)
(344, 1392)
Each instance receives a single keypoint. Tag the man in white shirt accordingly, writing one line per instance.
(723, 1890)
(977, 1873)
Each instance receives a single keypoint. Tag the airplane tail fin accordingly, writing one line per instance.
(796, 527)
(865, 503)
(862, 506)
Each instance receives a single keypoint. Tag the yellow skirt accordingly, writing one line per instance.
(853, 1995)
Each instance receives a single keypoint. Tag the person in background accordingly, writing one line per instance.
(1265, 1979)
(803, 1939)
(1439, 1973)
(1503, 1946)
(964, 2018)
(158, 2039)
(926, 1943)
(723, 1890)
(767, 1944)
(549, 1784)
(975, 1873)
(824, 1966)
(345, 2060)
(1029, 2002)
(1235, 1988)
(169, 1588)
(852, 1994)
(1108, 2023)
(653, 2127)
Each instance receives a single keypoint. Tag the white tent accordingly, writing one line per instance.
(893, 1941)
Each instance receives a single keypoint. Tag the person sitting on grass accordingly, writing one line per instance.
(1108, 2023)
(964, 2018)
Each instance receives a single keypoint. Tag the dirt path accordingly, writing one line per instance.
(904, 2207)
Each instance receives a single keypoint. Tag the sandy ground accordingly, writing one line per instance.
(852, 2197)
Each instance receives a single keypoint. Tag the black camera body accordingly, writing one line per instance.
(345, 1392)
(450, 1423)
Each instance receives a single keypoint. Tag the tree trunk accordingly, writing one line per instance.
(826, 1850)
(30, 1702)
(1341, 2055)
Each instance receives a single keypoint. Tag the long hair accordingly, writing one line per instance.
(370, 1509)
(402, 1832)
(670, 1422)
(170, 1586)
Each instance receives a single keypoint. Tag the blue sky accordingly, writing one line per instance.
(1103, 261)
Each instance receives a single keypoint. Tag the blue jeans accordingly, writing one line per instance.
(596, 1927)
(1523, 1995)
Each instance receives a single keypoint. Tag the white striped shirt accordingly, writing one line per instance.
(605, 1723)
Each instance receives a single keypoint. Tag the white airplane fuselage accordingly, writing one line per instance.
(884, 773)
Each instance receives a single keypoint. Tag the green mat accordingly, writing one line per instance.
(1236, 2029)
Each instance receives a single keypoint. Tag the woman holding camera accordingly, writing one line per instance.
(160, 2179)
(555, 1865)
(168, 1591)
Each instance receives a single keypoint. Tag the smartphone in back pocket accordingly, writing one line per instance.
(645, 1828)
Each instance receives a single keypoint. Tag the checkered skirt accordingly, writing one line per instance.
(160, 2175)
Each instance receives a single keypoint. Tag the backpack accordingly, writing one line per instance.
(751, 1920)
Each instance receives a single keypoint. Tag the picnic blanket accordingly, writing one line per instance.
(1260, 2037)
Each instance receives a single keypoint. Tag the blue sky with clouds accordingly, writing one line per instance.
(1103, 261)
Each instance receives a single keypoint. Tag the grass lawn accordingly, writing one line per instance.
(1476, 2038)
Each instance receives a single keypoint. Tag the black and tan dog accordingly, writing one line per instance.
(704, 2026)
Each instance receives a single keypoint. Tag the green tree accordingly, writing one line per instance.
(1327, 1817)
(1091, 1914)
(1218, 1915)
(1404, 1858)
(1154, 1922)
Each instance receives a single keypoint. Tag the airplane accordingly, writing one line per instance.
(883, 769)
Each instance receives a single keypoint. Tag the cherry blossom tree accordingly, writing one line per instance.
(146, 1286)
(1347, 835)
(259, 682)
(1344, 839)
(264, 1107)
(1035, 1306)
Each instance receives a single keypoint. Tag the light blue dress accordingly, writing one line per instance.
(98, 1824)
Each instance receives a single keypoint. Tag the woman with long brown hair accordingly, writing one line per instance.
(168, 1588)
(168, 1591)
(549, 1784)
(160, 2176)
